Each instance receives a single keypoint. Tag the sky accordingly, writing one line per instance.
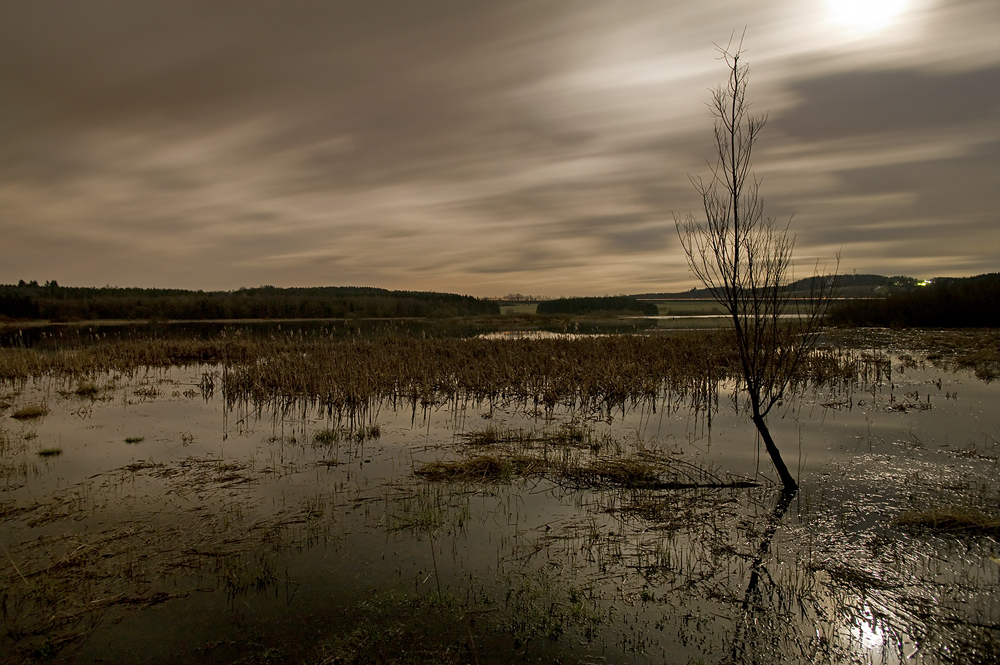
(483, 147)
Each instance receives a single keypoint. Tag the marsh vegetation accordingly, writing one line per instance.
(309, 497)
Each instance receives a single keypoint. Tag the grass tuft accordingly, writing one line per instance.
(30, 411)
(954, 519)
(333, 435)
(86, 389)
(484, 468)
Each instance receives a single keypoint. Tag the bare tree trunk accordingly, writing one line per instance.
(743, 257)
(772, 450)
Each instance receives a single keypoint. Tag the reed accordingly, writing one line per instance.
(352, 374)
(348, 375)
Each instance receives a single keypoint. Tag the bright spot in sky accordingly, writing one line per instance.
(865, 16)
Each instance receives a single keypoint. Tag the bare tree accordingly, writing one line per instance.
(743, 258)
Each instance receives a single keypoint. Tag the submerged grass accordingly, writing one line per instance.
(56, 587)
(396, 628)
(952, 519)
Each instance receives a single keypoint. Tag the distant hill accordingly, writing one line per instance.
(899, 301)
(49, 301)
(849, 286)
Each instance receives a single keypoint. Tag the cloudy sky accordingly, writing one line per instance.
(532, 146)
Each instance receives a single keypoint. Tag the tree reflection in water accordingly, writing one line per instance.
(756, 639)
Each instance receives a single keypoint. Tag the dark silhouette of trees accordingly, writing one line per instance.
(742, 257)
(969, 302)
(28, 300)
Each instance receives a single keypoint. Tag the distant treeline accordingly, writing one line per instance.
(591, 305)
(49, 301)
(946, 302)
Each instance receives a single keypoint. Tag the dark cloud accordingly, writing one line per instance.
(955, 186)
(414, 88)
(857, 103)
(913, 210)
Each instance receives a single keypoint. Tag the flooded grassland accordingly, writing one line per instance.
(292, 498)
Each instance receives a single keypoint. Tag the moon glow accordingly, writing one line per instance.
(865, 16)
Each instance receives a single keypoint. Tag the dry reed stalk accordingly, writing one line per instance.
(350, 375)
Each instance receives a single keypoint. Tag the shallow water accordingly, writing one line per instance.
(70, 335)
(172, 528)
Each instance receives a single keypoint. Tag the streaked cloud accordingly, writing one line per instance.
(480, 148)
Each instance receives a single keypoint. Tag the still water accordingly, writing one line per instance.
(150, 521)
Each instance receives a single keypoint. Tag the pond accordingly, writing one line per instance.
(155, 517)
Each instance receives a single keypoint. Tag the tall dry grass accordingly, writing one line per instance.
(353, 373)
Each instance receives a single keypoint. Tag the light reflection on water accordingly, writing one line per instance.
(258, 535)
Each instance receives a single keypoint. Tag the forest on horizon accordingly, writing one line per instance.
(52, 302)
(867, 300)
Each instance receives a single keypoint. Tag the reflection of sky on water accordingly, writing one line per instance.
(854, 459)
(868, 633)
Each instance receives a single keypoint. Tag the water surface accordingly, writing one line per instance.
(156, 522)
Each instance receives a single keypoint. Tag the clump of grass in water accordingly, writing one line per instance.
(327, 437)
(494, 435)
(86, 389)
(540, 606)
(334, 435)
(954, 519)
(30, 412)
(569, 434)
(617, 473)
(629, 473)
(134, 439)
(484, 468)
